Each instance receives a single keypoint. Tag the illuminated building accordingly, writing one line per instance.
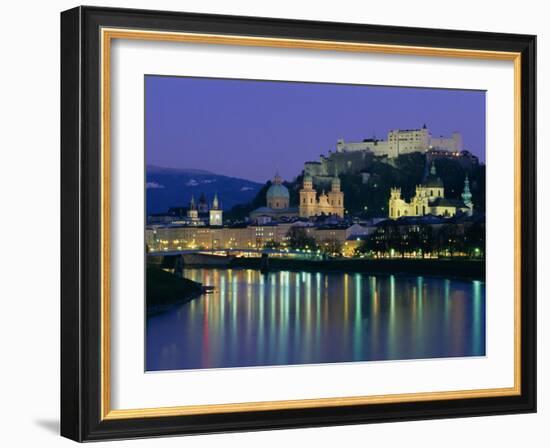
(429, 199)
(326, 204)
(216, 218)
(277, 204)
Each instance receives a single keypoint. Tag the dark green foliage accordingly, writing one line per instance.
(406, 172)
(272, 245)
(452, 173)
(446, 239)
(331, 246)
(241, 211)
(298, 239)
(370, 199)
(411, 170)
(449, 240)
(165, 289)
(294, 190)
(475, 240)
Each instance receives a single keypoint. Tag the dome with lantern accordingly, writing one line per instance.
(277, 194)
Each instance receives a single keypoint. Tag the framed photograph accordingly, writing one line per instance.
(274, 223)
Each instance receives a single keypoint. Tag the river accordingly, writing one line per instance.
(282, 318)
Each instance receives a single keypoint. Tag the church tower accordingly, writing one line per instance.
(192, 212)
(203, 205)
(216, 218)
(308, 198)
(336, 198)
(395, 203)
(467, 197)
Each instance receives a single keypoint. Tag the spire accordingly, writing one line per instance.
(192, 203)
(277, 180)
(432, 169)
(466, 194)
(215, 203)
(335, 184)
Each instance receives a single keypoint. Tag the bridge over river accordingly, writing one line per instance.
(177, 259)
(239, 252)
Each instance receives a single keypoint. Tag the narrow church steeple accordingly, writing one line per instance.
(467, 196)
(216, 213)
(215, 202)
(192, 212)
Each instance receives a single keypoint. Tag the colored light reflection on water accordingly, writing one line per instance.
(282, 318)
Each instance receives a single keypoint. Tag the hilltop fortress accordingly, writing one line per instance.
(318, 199)
(404, 141)
(355, 157)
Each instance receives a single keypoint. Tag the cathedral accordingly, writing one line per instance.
(201, 215)
(277, 203)
(429, 199)
(331, 203)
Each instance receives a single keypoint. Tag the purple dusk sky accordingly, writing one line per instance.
(251, 129)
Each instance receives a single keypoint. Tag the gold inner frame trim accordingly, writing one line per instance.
(107, 35)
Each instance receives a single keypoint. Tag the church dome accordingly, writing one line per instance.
(433, 180)
(277, 191)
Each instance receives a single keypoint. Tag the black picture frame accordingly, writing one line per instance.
(81, 224)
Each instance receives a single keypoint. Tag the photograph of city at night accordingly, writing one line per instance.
(292, 223)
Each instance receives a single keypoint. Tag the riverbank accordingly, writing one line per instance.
(165, 290)
(457, 268)
(451, 268)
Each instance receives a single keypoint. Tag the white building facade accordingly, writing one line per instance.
(404, 141)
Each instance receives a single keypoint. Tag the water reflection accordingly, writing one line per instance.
(300, 317)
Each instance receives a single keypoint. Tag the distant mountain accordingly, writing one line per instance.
(153, 169)
(173, 187)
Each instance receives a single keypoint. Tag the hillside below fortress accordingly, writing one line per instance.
(355, 158)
